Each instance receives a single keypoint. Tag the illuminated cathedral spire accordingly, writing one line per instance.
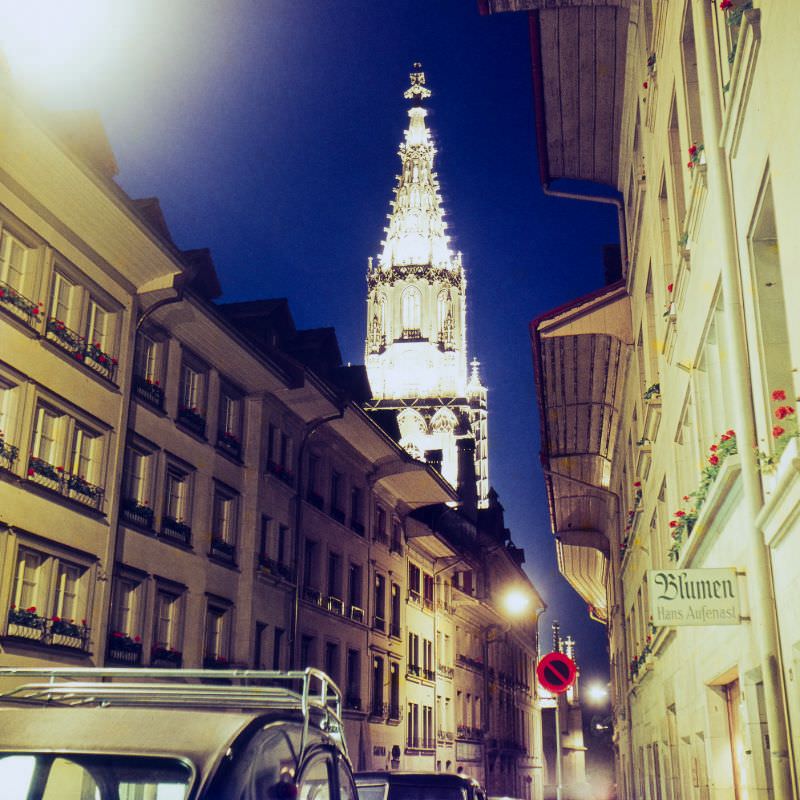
(416, 344)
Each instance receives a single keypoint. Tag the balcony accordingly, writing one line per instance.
(165, 656)
(315, 499)
(123, 649)
(379, 624)
(175, 531)
(192, 420)
(28, 625)
(136, 513)
(446, 671)
(313, 596)
(468, 732)
(72, 486)
(411, 335)
(336, 606)
(273, 567)
(280, 472)
(211, 661)
(223, 550)
(396, 546)
(19, 306)
(8, 454)
(149, 391)
(87, 353)
(469, 663)
(357, 614)
(230, 444)
(414, 597)
(427, 603)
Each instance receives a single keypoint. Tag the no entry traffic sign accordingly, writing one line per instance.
(556, 672)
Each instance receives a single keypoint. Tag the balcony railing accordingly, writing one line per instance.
(379, 623)
(396, 546)
(443, 669)
(148, 390)
(27, 624)
(176, 531)
(124, 649)
(414, 597)
(18, 305)
(165, 656)
(468, 732)
(336, 606)
(57, 480)
(274, 567)
(223, 550)
(192, 420)
(90, 354)
(137, 513)
(427, 602)
(313, 596)
(8, 454)
(469, 662)
(357, 614)
(229, 443)
(413, 334)
(280, 472)
(413, 669)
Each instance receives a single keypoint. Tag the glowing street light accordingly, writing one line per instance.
(596, 693)
(516, 602)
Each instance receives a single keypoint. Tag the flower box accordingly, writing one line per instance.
(192, 419)
(222, 549)
(18, 305)
(175, 531)
(229, 443)
(148, 390)
(136, 513)
(124, 649)
(8, 454)
(162, 656)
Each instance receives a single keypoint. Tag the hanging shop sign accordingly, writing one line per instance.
(556, 672)
(468, 751)
(693, 597)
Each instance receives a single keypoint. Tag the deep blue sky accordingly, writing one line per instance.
(269, 131)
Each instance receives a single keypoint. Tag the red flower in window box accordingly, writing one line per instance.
(637, 483)
(34, 310)
(725, 5)
(713, 448)
(714, 460)
(669, 288)
(644, 85)
(59, 469)
(31, 471)
(778, 431)
(783, 411)
(673, 523)
(2, 292)
(680, 513)
(779, 394)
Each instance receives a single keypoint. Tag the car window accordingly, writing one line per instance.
(263, 768)
(371, 791)
(47, 777)
(429, 791)
(315, 780)
(347, 789)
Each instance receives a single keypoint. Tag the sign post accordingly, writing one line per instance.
(556, 673)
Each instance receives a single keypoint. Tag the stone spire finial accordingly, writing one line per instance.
(417, 90)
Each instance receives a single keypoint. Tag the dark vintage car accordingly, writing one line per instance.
(417, 786)
(127, 734)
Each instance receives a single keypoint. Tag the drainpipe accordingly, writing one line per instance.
(312, 426)
(764, 623)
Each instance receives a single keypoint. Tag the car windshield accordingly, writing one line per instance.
(26, 776)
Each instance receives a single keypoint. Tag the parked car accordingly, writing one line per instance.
(129, 734)
(417, 786)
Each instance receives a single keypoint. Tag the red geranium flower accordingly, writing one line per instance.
(32, 609)
(34, 310)
(689, 164)
(669, 288)
(725, 4)
(137, 639)
(644, 85)
(714, 460)
(30, 471)
(783, 411)
(673, 523)
(56, 619)
(686, 497)
(692, 149)
(637, 483)
(779, 394)
(713, 448)
(2, 292)
(778, 431)
(680, 513)
(730, 433)
(59, 469)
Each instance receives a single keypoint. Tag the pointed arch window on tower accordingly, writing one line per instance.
(446, 325)
(377, 333)
(412, 313)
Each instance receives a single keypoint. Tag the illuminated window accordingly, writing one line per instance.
(412, 310)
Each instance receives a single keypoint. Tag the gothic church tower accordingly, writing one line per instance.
(416, 347)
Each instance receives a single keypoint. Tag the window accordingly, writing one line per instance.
(394, 622)
(427, 659)
(334, 575)
(691, 82)
(217, 640)
(313, 481)
(125, 612)
(380, 603)
(414, 582)
(281, 544)
(176, 522)
(397, 538)
(192, 397)
(394, 690)
(137, 487)
(413, 653)
(332, 661)
(336, 496)
(277, 648)
(167, 636)
(354, 581)
(377, 687)
(62, 307)
(97, 325)
(66, 456)
(427, 590)
(229, 433)
(412, 312)
(224, 522)
(14, 258)
(379, 534)
(310, 564)
(356, 510)
(412, 730)
(8, 411)
(306, 651)
(148, 370)
(353, 691)
(427, 726)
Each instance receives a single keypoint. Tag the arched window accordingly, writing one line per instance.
(444, 314)
(412, 311)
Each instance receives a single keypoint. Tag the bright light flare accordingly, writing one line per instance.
(516, 602)
(57, 46)
(596, 693)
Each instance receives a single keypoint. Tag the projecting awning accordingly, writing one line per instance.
(580, 356)
(578, 52)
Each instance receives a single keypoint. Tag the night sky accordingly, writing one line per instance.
(269, 131)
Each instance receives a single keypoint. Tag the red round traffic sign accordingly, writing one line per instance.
(556, 672)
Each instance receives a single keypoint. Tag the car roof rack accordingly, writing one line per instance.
(307, 691)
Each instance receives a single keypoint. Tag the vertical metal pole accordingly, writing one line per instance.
(558, 751)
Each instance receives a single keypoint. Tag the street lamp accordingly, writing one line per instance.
(596, 693)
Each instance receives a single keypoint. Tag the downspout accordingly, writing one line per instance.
(759, 573)
(179, 284)
(541, 139)
(298, 515)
